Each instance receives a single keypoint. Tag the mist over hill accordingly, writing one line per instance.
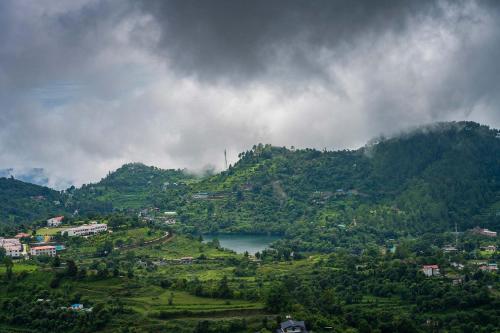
(34, 175)
(423, 180)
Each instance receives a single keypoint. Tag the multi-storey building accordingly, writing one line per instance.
(12, 247)
(86, 229)
(46, 250)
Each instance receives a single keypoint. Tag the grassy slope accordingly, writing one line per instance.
(146, 300)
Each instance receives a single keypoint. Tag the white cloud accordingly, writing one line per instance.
(83, 106)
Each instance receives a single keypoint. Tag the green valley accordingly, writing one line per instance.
(396, 236)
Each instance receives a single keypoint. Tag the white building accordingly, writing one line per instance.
(86, 229)
(484, 232)
(55, 221)
(47, 250)
(12, 247)
(430, 270)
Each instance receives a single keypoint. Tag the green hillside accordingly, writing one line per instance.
(422, 181)
(133, 186)
(24, 202)
(356, 229)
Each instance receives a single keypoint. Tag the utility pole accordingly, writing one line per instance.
(225, 158)
(456, 235)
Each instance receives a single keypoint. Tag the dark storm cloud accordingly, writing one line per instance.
(244, 38)
(282, 42)
(86, 85)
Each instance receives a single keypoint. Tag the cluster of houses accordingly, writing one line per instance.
(41, 246)
(433, 270)
(15, 249)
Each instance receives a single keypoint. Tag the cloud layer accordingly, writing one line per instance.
(88, 85)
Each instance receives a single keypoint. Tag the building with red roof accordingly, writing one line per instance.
(55, 221)
(430, 270)
(46, 250)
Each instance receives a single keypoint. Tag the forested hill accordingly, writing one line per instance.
(132, 186)
(24, 202)
(422, 181)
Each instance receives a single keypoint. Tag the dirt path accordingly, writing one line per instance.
(165, 238)
(208, 314)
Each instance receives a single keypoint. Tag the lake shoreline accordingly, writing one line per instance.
(241, 243)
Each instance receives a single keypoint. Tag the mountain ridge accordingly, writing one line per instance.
(420, 181)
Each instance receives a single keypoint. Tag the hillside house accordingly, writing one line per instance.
(22, 235)
(187, 260)
(484, 232)
(200, 195)
(430, 270)
(457, 265)
(489, 248)
(292, 326)
(169, 221)
(449, 249)
(169, 218)
(55, 221)
(76, 306)
(12, 246)
(86, 229)
(340, 192)
(47, 250)
(491, 267)
(488, 268)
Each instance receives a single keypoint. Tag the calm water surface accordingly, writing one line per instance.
(241, 243)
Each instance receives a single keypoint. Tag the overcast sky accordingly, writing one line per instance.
(87, 85)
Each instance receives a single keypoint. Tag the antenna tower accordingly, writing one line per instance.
(225, 158)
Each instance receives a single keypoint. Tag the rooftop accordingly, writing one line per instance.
(292, 323)
(46, 247)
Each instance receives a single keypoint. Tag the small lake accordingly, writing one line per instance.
(241, 243)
